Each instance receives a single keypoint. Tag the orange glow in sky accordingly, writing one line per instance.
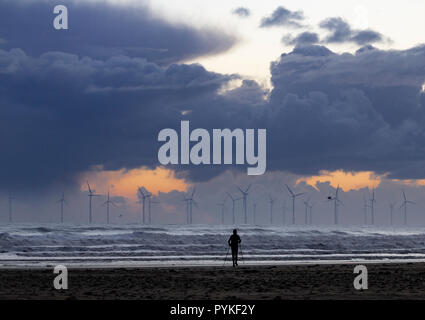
(346, 180)
(124, 183)
(411, 182)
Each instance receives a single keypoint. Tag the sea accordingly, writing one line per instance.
(47, 245)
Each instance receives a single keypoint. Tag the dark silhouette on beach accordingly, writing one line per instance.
(234, 242)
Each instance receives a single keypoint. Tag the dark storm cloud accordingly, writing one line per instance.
(283, 17)
(61, 114)
(242, 12)
(101, 30)
(341, 32)
(305, 38)
(355, 112)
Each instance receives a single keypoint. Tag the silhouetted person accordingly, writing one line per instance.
(234, 242)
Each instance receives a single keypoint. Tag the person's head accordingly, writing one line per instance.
(235, 231)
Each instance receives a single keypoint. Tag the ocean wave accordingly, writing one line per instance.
(20, 244)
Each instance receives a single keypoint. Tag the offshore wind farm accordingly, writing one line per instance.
(105, 241)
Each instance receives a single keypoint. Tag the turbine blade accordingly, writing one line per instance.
(289, 189)
(113, 203)
(240, 189)
(141, 191)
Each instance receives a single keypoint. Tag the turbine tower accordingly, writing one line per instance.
(244, 197)
(307, 206)
(404, 206)
(392, 205)
(254, 211)
(91, 195)
(233, 206)
(107, 203)
(365, 206)
(336, 201)
(372, 206)
(144, 195)
(62, 202)
(293, 196)
(271, 208)
(189, 203)
(150, 201)
(222, 205)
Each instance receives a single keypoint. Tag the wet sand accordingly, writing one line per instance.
(386, 281)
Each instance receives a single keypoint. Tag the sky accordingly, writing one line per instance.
(339, 86)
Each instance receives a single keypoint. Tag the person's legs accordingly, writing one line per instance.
(235, 255)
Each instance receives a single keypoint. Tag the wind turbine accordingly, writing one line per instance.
(293, 195)
(91, 195)
(62, 202)
(144, 195)
(372, 206)
(254, 212)
(336, 201)
(307, 206)
(150, 201)
(222, 205)
(189, 203)
(233, 206)
(107, 203)
(10, 207)
(404, 206)
(244, 197)
(271, 208)
(365, 206)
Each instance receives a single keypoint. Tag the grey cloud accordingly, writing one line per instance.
(283, 17)
(351, 112)
(367, 36)
(60, 128)
(242, 12)
(326, 111)
(100, 30)
(341, 32)
(304, 38)
(62, 112)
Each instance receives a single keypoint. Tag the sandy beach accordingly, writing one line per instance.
(386, 281)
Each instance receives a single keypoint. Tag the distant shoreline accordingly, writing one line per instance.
(313, 281)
